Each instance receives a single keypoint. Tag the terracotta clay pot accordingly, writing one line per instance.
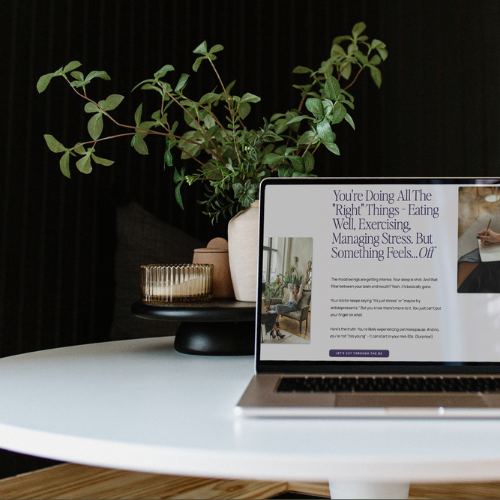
(216, 253)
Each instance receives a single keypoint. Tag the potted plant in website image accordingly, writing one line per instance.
(211, 144)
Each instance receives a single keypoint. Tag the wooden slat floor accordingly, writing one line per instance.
(70, 481)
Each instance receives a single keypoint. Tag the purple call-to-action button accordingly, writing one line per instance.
(359, 353)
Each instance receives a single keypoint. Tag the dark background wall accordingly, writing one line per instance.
(437, 113)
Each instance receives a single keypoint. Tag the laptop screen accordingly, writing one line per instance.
(380, 272)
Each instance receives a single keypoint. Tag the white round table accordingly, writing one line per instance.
(140, 405)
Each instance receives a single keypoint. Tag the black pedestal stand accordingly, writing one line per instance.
(221, 327)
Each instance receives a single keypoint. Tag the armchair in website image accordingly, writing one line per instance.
(478, 269)
(286, 290)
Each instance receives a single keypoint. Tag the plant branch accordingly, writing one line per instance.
(216, 121)
(229, 107)
(355, 78)
(143, 130)
(310, 143)
(218, 153)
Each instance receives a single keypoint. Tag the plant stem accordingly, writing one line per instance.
(216, 121)
(229, 107)
(218, 155)
(136, 128)
(355, 78)
(310, 143)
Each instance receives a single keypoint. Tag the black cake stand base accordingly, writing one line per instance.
(221, 327)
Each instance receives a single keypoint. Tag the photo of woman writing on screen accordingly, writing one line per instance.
(479, 269)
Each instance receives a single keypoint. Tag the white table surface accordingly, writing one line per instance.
(140, 405)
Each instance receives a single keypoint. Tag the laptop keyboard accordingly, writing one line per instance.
(389, 384)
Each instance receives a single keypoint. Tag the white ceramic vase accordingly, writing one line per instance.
(243, 242)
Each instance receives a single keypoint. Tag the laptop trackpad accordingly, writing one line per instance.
(410, 400)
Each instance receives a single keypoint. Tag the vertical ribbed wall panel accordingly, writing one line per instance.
(436, 114)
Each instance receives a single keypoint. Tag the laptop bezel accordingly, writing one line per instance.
(359, 367)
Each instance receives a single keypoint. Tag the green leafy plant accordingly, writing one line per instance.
(273, 289)
(290, 276)
(224, 155)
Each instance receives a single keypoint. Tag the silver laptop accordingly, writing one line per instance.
(377, 297)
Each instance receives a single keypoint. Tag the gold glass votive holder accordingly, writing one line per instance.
(176, 282)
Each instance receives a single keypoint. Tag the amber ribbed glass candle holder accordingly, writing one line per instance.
(176, 282)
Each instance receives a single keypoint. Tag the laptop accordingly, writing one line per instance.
(373, 300)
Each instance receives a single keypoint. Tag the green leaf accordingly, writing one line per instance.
(308, 162)
(276, 116)
(383, 53)
(306, 137)
(331, 146)
(209, 122)
(375, 60)
(377, 44)
(98, 74)
(182, 81)
(178, 195)
(197, 63)
(179, 176)
(315, 106)
(138, 115)
(54, 145)
(341, 39)
(209, 98)
(102, 161)
(230, 87)
(338, 113)
(297, 163)
(95, 126)
(272, 158)
(149, 80)
(360, 57)
(216, 48)
(148, 86)
(43, 82)
(79, 149)
(84, 164)
(111, 102)
(90, 107)
(285, 171)
(302, 69)
(71, 66)
(238, 189)
(201, 49)
(139, 144)
(358, 29)
(76, 83)
(163, 71)
(332, 88)
(149, 124)
(349, 120)
(167, 158)
(325, 131)
(376, 76)
(64, 165)
(337, 51)
(78, 75)
(299, 118)
(250, 98)
(243, 110)
(346, 69)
